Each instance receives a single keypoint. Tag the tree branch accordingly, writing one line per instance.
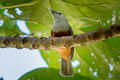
(66, 41)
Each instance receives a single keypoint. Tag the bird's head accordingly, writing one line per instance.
(57, 15)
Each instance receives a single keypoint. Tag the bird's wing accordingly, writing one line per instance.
(72, 49)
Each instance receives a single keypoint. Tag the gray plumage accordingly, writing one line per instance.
(61, 28)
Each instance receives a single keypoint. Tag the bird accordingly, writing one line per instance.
(61, 28)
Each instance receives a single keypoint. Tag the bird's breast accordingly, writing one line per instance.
(60, 26)
(59, 32)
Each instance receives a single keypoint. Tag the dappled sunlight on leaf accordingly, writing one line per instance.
(75, 63)
(18, 11)
(101, 59)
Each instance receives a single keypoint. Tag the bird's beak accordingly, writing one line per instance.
(52, 11)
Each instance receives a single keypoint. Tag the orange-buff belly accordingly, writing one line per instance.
(64, 52)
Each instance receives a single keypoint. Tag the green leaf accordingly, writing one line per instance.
(98, 61)
(39, 30)
(9, 28)
(37, 13)
(50, 74)
(52, 58)
(90, 13)
(113, 43)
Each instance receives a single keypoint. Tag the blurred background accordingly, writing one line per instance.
(93, 61)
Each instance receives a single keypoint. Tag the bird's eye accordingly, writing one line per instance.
(59, 13)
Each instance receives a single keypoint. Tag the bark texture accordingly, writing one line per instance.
(66, 41)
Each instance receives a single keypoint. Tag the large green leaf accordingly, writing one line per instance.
(98, 61)
(101, 60)
(52, 58)
(39, 30)
(9, 28)
(50, 74)
(91, 14)
(114, 43)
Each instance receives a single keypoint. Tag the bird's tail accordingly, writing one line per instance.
(66, 68)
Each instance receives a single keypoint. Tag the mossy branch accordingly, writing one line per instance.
(66, 41)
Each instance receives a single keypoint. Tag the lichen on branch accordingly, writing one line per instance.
(66, 41)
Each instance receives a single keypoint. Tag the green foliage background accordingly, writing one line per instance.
(96, 59)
